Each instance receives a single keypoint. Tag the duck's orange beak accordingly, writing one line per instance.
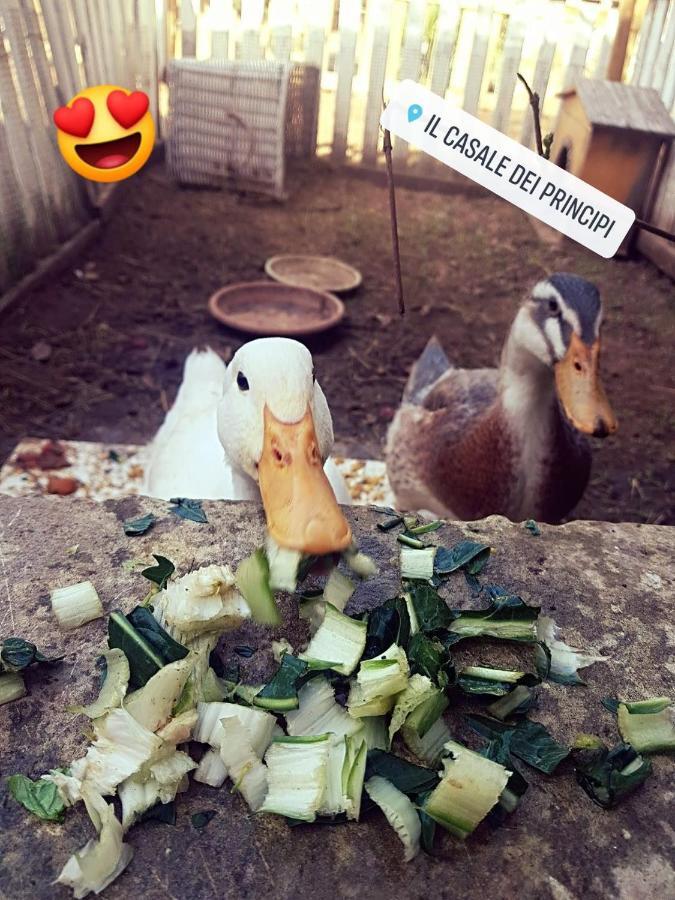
(581, 394)
(301, 509)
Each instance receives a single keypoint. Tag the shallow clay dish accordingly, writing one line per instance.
(325, 273)
(266, 308)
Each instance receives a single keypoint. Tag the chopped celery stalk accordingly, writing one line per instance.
(359, 563)
(385, 675)
(353, 774)
(318, 712)
(412, 614)
(214, 689)
(411, 542)
(211, 769)
(339, 641)
(426, 745)
(242, 762)
(487, 674)
(158, 782)
(253, 580)
(648, 725)
(200, 603)
(562, 661)
(281, 647)
(375, 732)
(313, 611)
(417, 565)
(418, 690)
(178, 730)
(338, 590)
(114, 687)
(333, 801)
(12, 687)
(283, 566)
(471, 785)
(258, 723)
(400, 813)
(359, 707)
(516, 701)
(153, 704)
(76, 604)
(100, 861)
(427, 527)
(296, 775)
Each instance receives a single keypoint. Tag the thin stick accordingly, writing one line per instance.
(653, 229)
(386, 146)
(534, 103)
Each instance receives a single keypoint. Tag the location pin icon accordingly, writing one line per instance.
(414, 112)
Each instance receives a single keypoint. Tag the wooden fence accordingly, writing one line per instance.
(466, 50)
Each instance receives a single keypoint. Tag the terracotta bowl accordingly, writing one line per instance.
(268, 308)
(324, 273)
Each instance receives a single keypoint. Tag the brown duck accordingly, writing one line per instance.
(468, 443)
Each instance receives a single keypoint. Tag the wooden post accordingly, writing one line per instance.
(411, 56)
(379, 24)
(350, 12)
(476, 68)
(617, 58)
(513, 49)
(445, 41)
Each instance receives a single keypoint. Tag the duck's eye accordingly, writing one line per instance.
(242, 381)
(553, 307)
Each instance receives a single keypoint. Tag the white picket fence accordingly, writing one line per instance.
(467, 50)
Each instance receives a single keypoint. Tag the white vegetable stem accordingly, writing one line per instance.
(76, 604)
(12, 687)
(399, 811)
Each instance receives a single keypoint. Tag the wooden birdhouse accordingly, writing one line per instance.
(611, 135)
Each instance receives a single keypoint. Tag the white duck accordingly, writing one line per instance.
(259, 428)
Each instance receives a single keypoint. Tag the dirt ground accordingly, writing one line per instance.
(119, 324)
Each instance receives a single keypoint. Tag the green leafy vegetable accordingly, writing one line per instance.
(529, 741)
(17, 654)
(429, 657)
(427, 527)
(201, 819)
(515, 703)
(498, 682)
(388, 624)
(39, 797)
(281, 692)
(411, 542)
(507, 617)
(433, 614)
(391, 523)
(144, 642)
(162, 813)
(611, 704)
(253, 580)
(648, 725)
(244, 651)
(532, 527)
(160, 573)
(150, 629)
(139, 526)
(338, 643)
(608, 776)
(188, 509)
(407, 777)
(466, 554)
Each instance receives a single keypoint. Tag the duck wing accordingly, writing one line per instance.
(186, 458)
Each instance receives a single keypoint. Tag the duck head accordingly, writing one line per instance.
(559, 324)
(274, 424)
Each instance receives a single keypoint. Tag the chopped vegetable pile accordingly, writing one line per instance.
(352, 722)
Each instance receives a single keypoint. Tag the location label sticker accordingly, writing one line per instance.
(508, 169)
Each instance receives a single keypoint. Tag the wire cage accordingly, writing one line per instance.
(235, 124)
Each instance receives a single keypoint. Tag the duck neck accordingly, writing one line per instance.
(528, 399)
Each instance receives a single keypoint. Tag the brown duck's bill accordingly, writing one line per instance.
(300, 506)
(581, 394)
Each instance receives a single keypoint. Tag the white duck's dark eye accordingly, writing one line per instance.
(553, 307)
(242, 381)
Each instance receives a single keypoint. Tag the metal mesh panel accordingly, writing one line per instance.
(235, 123)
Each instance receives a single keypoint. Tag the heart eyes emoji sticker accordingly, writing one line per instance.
(106, 133)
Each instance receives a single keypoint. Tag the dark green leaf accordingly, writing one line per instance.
(201, 819)
(408, 778)
(39, 797)
(428, 834)
(473, 582)
(507, 617)
(244, 651)
(429, 657)
(162, 813)
(281, 692)
(144, 661)
(432, 612)
(149, 628)
(139, 526)
(160, 573)
(469, 554)
(305, 566)
(17, 654)
(473, 684)
(611, 704)
(188, 509)
(387, 624)
(383, 510)
(608, 776)
(530, 741)
(532, 527)
(113, 456)
(388, 524)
